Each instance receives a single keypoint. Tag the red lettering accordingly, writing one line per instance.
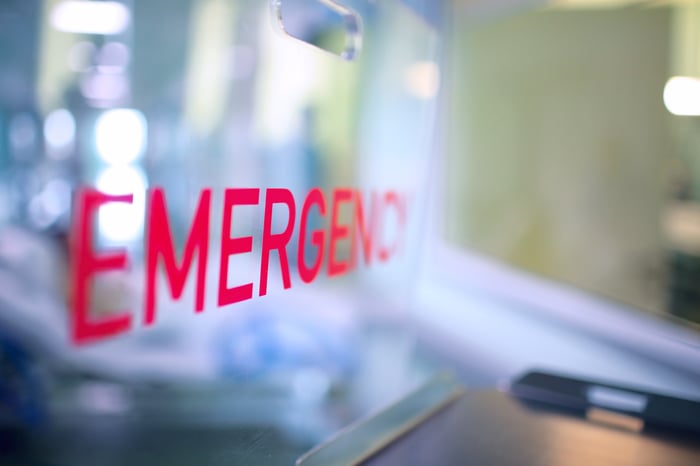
(338, 232)
(376, 232)
(365, 230)
(318, 237)
(87, 263)
(230, 246)
(160, 243)
(279, 240)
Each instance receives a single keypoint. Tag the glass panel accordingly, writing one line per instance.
(208, 229)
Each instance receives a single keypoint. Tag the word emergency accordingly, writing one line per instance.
(373, 232)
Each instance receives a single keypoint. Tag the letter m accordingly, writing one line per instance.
(160, 244)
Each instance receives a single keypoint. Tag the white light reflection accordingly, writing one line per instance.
(104, 88)
(84, 17)
(120, 136)
(682, 96)
(113, 57)
(118, 221)
(59, 129)
(422, 79)
(291, 75)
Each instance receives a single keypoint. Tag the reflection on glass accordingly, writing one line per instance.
(423, 79)
(120, 136)
(59, 129)
(326, 24)
(187, 95)
(120, 222)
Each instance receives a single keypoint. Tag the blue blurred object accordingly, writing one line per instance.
(21, 400)
(262, 343)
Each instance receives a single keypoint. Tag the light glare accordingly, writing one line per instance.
(120, 136)
(118, 221)
(682, 96)
(422, 79)
(59, 129)
(83, 17)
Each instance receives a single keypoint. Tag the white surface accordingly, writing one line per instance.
(519, 323)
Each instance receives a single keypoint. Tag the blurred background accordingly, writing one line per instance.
(551, 155)
(585, 113)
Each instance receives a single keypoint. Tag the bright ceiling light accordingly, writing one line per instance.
(682, 96)
(85, 17)
(59, 129)
(121, 222)
(120, 135)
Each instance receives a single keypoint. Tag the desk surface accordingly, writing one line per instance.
(488, 427)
